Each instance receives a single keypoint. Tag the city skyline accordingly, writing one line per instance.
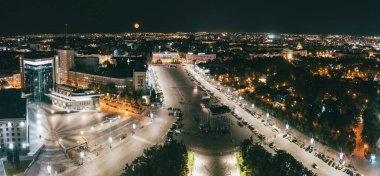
(99, 16)
(189, 88)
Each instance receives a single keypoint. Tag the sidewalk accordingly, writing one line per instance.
(2, 169)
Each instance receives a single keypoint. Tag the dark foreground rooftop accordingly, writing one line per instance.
(11, 104)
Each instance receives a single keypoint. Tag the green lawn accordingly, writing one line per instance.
(11, 170)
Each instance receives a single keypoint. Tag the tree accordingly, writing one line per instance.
(168, 159)
(10, 156)
(261, 162)
(16, 159)
(371, 126)
(93, 86)
(3, 83)
(108, 88)
(153, 95)
(285, 164)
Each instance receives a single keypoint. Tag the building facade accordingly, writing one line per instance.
(82, 80)
(38, 76)
(165, 58)
(13, 80)
(139, 80)
(13, 124)
(200, 57)
(66, 62)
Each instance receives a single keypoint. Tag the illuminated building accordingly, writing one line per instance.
(200, 57)
(290, 54)
(13, 127)
(66, 62)
(72, 98)
(165, 58)
(38, 75)
(13, 80)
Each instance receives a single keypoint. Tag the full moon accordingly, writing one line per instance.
(136, 25)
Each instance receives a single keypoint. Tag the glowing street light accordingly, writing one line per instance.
(48, 168)
(341, 155)
(81, 154)
(253, 105)
(81, 132)
(110, 141)
(11, 146)
(287, 126)
(267, 114)
(312, 141)
(134, 126)
(373, 157)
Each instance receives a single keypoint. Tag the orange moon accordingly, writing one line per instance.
(136, 25)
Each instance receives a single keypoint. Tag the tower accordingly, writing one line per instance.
(37, 75)
(66, 61)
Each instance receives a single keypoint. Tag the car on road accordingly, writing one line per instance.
(271, 145)
(240, 124)
(330, 162)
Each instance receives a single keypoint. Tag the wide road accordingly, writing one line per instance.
(214, 153)
(301, 155)
(113, 161)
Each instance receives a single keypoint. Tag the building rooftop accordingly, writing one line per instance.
(73, 91)
(11, 104)
(124, 68)
(39, 55)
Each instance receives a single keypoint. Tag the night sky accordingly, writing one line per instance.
(114, 16)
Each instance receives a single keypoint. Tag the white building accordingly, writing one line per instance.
(13, 124)
(72, 98)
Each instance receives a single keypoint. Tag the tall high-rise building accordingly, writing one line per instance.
(38, 75)
(66, 62)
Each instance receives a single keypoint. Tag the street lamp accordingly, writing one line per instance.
(287, 126)
(48, 168)
(110, 141)
(341, 156)
(133, 127)
(373, 157)
(11, 146)
(267, 115)
(312, 141)
(253, 105)
(81, 154)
